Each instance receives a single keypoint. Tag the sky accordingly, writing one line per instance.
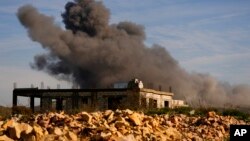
(209, 37)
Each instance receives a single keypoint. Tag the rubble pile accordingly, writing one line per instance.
(119, 125)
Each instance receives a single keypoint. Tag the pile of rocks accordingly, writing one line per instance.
(116, 125)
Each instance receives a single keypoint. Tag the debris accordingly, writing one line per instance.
(117, 125)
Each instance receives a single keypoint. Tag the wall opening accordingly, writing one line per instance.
(144, 102)
(84, 100)
(166, 104)
(23, 101)
(37, 104)
(152, 103)
(53, 106)
(114, 102)
(155, 104)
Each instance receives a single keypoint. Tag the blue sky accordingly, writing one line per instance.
(204, 36)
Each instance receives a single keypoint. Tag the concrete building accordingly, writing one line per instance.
(132, 96)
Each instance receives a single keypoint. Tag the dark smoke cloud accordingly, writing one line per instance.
(93, 53)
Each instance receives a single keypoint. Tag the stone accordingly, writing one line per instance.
(9, 123)
(135, 118)
(128, 112)
(5, 138)
(219, 134)
(1, 123)
(110, 117)
(172, 133)
(86, 117)
(71, 136)
(50, 137)
(196, 138)
(105, 135)
(120, 124)
(1, 131)
(154, 123)
(43, 122)
(117, 111)
(38, 131)
(145, 131)
(129, 137)
(107, 113)
(169, 123)
(215, 124)
(211, 114)
(25, 128)
(29, 137)
(14, 131)
(112, 128)
(57, 131)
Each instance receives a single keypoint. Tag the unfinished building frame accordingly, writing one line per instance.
(96, 99)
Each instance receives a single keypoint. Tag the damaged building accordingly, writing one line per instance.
(131, 95)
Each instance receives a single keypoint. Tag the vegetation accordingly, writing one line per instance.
(236, 113)
(200, 112)
(178, 110)
(21, 110)
(204, 111)
(5, 112)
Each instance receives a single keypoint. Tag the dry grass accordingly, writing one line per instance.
(5, 112)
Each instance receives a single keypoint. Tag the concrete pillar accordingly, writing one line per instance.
(139, 99)
(32, 103)
(75, 101)
(89, 101)
(158, 103)
(68, 105)
(45, 103)
(14, 100)
(59, 104)
(147, 102)
(94, 100)
(161, 102)
(41, 104)
(105, 104)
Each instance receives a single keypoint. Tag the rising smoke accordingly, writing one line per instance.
(93, 53)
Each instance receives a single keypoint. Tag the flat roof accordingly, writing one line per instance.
(156, 92)
(39, 92)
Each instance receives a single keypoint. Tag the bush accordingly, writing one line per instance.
(200, 112)
(158, 111)
(182, 110)
(204, 111)
(177, 110)
(236, 113)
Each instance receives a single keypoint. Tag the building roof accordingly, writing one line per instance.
(38, 92)
(156, 92)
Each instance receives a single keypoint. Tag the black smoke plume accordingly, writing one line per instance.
(93, 53)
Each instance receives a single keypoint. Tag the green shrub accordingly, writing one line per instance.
(236, 113)
(158, 111)
(200, 112)
(177, 110)
(182, 110)
(204, 111)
